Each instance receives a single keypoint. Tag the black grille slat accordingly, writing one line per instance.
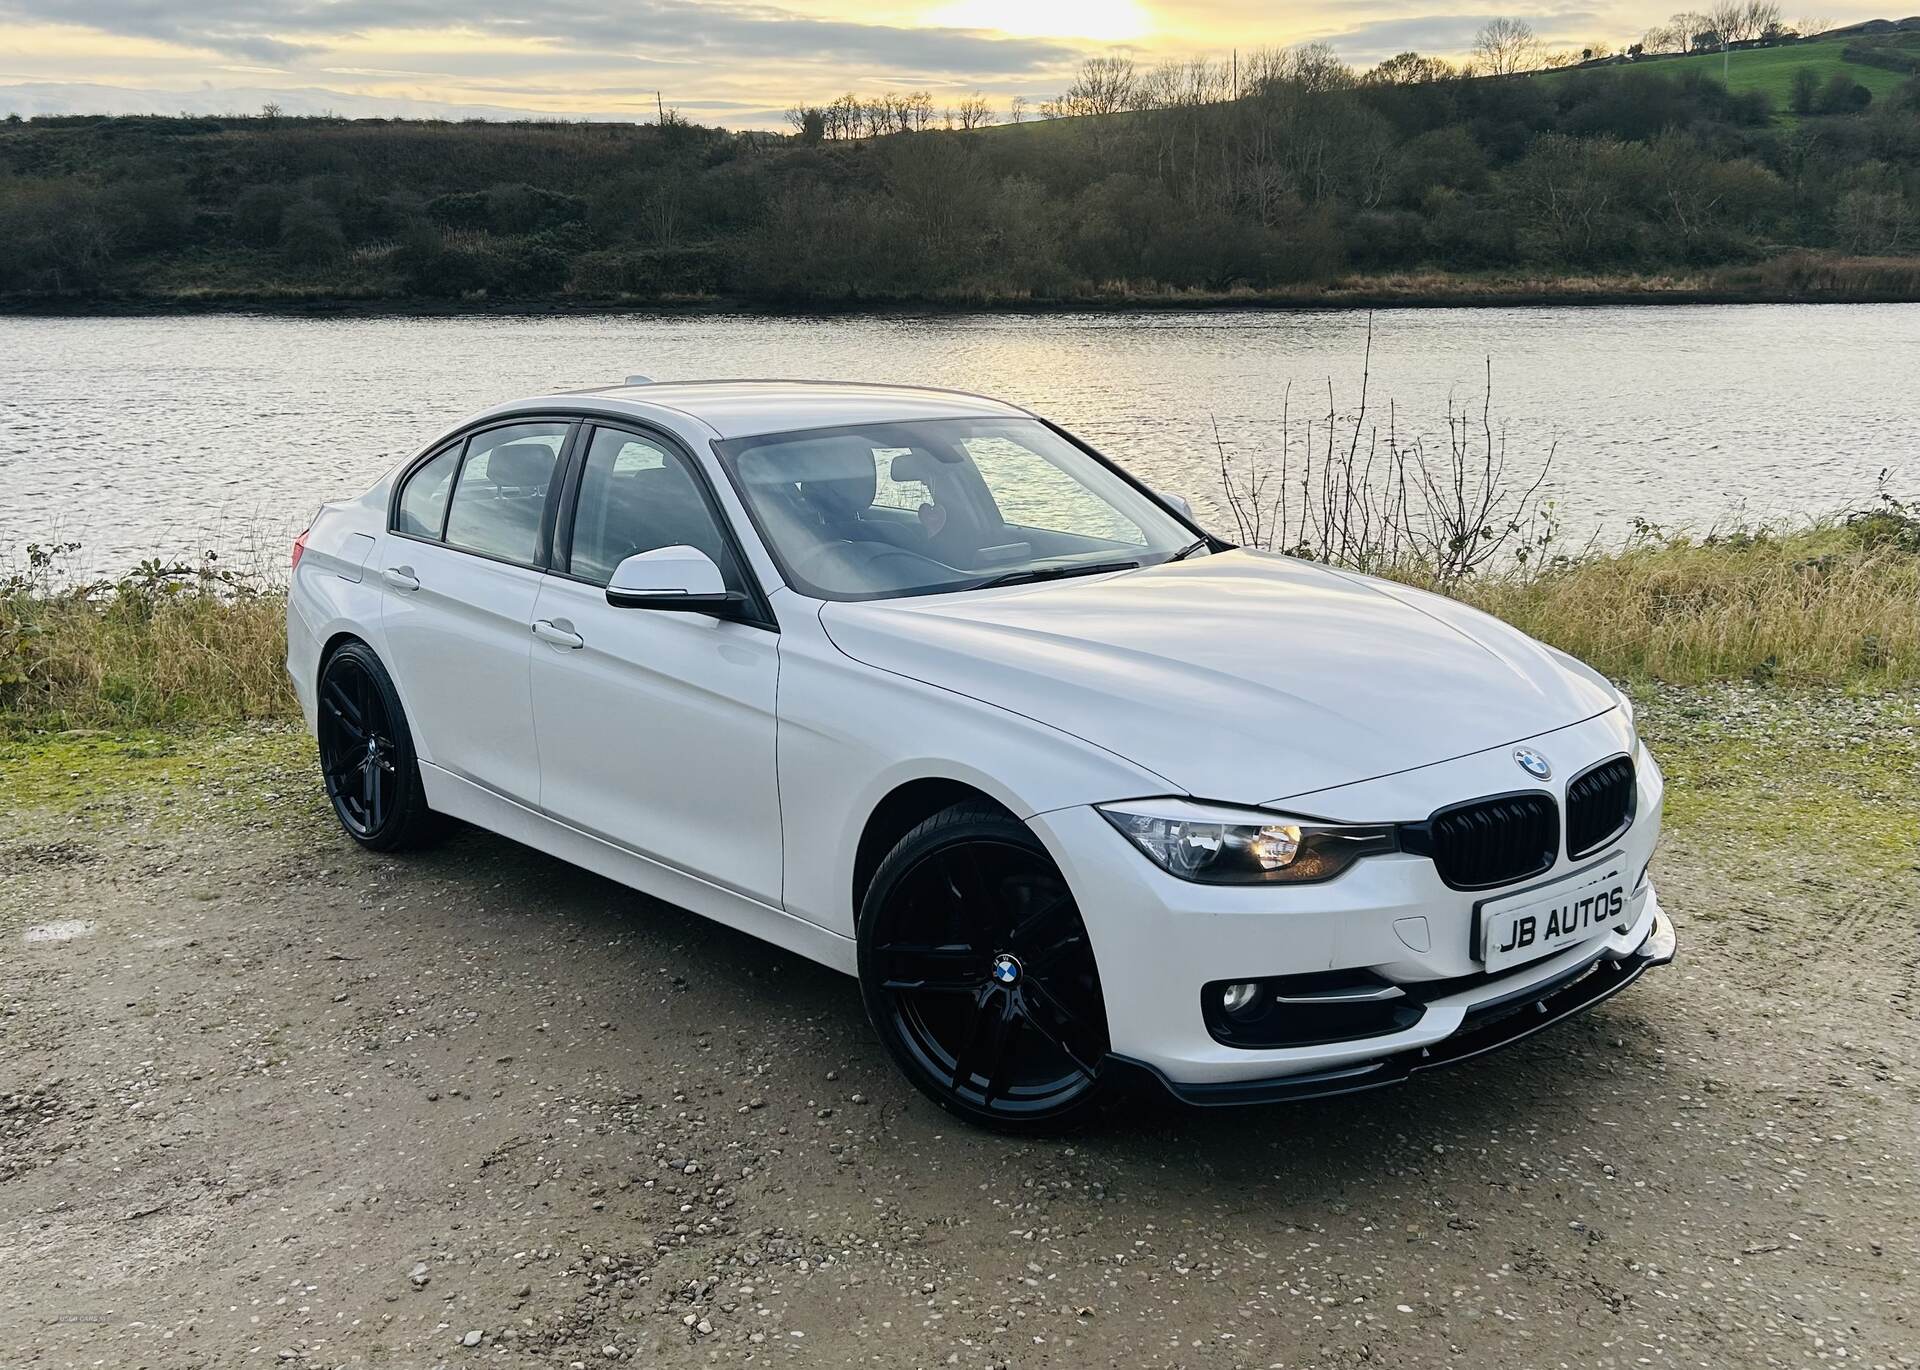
(1495, 841)
(1599, 805)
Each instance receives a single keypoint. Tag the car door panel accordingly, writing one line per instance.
(456, 618)
(655, 728)
(657, 732)
(459, 650)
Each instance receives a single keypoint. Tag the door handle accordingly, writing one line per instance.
(401, 578)
(560, 634)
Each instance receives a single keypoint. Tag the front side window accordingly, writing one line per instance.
(501, 493)
(637, 495)
(879, 510)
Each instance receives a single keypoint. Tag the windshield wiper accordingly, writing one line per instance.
(1034, 573)
(1197, 545)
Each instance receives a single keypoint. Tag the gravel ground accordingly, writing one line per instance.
(267, 1100)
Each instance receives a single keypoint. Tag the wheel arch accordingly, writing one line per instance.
(334, 644)
(899, 812)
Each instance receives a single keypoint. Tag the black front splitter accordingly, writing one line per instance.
(1487, 1027)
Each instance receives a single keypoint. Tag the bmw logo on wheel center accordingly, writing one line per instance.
(1006, 969)
(1532, 763)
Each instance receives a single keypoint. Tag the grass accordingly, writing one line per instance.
(164, 646)
(1753, 768)
(1771, 69)
(1755, 774)
(1834, 603)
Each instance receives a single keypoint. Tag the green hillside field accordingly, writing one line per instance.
(1771, 69)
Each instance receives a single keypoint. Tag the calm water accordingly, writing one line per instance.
(144, 436)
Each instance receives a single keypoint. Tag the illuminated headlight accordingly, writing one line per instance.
(1215, 845)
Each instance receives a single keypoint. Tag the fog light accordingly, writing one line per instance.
(1239, 998)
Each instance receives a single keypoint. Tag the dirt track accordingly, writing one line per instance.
(286, 1103)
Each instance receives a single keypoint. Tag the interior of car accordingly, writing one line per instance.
(939, 522)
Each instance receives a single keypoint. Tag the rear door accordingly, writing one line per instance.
(655, 727)
(472, 528)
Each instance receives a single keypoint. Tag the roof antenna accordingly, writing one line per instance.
(639, 380)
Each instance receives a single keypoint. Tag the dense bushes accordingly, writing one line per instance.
(1294, 183)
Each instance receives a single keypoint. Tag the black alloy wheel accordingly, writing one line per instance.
(978, 974)
(366, 753)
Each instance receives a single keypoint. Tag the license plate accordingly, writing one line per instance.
(1540, 923)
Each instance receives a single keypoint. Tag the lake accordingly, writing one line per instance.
(161, 435)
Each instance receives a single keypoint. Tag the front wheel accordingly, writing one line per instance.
(978, 974)
(366, 754)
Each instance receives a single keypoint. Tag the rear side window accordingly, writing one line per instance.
(423, 500)
(500, 496)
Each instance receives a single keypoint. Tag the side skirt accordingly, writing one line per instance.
(460, 798)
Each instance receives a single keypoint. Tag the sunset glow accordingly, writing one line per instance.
(734, 63)
(1109, 21)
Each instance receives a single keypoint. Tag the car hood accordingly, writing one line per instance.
(1243, 676)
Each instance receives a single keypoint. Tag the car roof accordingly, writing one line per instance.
(742, 408)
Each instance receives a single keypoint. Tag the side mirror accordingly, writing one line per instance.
(670, 578)
(1179, 502)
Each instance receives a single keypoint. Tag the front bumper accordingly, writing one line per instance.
(1388, 919)
(1486, 1027)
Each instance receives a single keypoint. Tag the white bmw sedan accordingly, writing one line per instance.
(918, 685)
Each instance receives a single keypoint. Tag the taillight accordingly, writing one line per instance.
(299, 547)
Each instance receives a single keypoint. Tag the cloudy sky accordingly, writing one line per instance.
(730, 62)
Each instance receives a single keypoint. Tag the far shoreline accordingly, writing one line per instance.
(1361, 294)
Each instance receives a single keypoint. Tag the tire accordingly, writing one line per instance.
(366, 755)
(979, 977)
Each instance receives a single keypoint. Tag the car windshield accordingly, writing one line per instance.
(875, 511)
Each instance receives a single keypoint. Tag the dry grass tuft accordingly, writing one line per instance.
(1836, 603)
(165, 645)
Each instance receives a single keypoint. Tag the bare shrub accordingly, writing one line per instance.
(1345, 491)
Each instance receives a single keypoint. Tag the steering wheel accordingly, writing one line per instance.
(858, 561)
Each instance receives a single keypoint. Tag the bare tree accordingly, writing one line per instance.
(1409, 69)
(1728, 18)
(1763, 20)
(1317, 67)
(1105, 85)
(1017, 110)
(1686, 29)
(809, 122)
(975, 112)
(1505, 46)
(1812, 26)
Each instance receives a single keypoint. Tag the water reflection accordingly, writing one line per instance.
(146, 434)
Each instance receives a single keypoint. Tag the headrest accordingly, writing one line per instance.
(522, 465)
(839, 468)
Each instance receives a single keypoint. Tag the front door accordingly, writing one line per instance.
(460, 582)
(655, 728)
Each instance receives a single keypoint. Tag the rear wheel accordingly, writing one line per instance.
(978, 974)
(366, 754)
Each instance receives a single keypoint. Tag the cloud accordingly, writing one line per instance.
(1446, 33)
(710, 32)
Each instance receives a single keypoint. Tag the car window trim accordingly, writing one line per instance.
(758, 611)
(464, 439)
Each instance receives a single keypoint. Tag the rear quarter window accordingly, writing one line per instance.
(423, 499)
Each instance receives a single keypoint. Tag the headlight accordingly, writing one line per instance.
(1215, 845)
(1633, 723)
